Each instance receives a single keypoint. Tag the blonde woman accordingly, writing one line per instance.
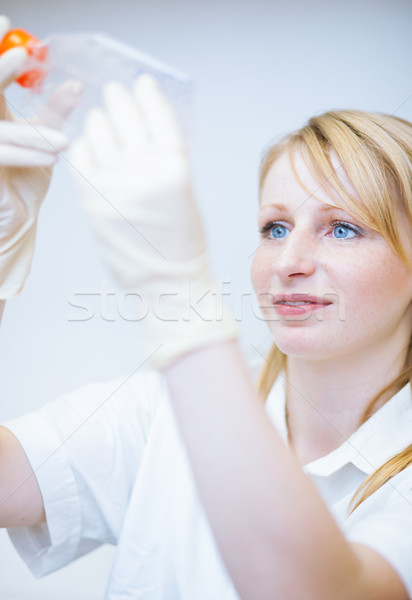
(209, 488)
(333, 273)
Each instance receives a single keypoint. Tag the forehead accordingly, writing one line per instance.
(281, 184)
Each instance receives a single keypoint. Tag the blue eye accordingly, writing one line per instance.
(279, 231)
(338, 229)
(275, 230)
(344, 231)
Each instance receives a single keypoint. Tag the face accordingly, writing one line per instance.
(327, 285)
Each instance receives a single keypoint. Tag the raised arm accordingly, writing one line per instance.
(276, 535)
(28, 151)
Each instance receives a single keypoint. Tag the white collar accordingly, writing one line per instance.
(384, 434)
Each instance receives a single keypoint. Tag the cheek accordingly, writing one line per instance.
(374, 287)
(260, 272)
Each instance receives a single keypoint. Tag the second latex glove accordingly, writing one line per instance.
(135, 186)
(28, 151)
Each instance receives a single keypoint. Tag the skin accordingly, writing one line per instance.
(343, 354)
(369, 286)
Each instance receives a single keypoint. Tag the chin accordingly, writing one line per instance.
(303, 343)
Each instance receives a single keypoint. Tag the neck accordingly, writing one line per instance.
(326, 400)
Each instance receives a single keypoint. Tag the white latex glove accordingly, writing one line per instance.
(28, 150)
(134, 175)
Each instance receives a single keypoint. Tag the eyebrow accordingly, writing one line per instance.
(282, 207)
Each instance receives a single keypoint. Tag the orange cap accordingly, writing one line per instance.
(20, 37)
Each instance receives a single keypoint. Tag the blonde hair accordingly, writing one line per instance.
(374, 152)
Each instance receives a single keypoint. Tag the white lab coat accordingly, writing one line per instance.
(112, 469)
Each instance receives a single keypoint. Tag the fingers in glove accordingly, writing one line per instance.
(125, 117)
(59, 106)
(158, 114)
(10, 63)
(25, 144)
(13, 156)
(31, 136)
(100, 139)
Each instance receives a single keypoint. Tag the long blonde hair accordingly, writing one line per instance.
(375, 153)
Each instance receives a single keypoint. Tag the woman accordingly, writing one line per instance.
(333, 276)
(333, 273)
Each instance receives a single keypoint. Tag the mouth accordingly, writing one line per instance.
(298, 304)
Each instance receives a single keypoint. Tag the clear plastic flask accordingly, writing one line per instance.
(94, 59)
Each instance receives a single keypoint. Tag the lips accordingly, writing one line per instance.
(294, 299)
(298, 304)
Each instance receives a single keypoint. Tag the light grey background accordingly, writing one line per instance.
(260, 69)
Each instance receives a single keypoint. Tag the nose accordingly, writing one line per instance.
(296, 257)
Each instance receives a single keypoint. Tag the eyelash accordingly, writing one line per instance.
(266, 228)
(271, 224)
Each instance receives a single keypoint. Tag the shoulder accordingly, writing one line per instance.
(122, 408)
(126, 399)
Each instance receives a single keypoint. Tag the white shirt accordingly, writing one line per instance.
(112, 469)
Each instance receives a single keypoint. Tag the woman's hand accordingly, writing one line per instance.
(134, 174)
(28, 150)
(133, 170)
